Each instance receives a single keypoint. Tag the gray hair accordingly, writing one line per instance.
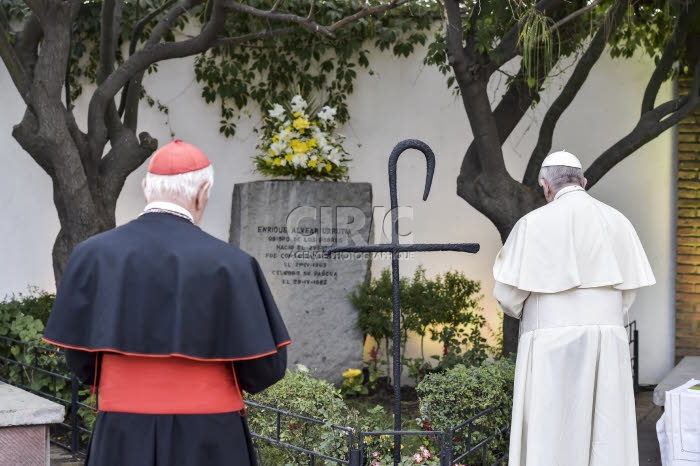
(559, 176)
(182, 187)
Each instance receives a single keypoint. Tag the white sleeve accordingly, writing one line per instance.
(510, 298)
(627, 299)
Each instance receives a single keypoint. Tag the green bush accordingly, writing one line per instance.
(23, 317)
(301, 394)
(457, 394)
(445, 309)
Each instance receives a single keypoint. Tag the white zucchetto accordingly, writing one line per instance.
(561, 158)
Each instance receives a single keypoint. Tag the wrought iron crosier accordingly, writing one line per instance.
(396, 249)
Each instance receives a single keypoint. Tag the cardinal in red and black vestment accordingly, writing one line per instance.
(170, 325)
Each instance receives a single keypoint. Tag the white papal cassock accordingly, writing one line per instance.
(569, 271)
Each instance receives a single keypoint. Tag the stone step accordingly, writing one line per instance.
(63, 457)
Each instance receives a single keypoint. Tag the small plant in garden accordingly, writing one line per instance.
(353, 383)
(451, 397)
(300, 143)
(422, 456)
(300, 393)
(446, 309)
(23, 318)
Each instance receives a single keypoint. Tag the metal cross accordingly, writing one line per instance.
(396, 249)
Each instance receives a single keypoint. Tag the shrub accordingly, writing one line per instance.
(23, 317)
(457, 394)
(301, 394)
(446, 309)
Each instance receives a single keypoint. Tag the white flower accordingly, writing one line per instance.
(283, 162)
(302, 368)
(327, 113)
(334, 156)
(322, 143)
(285, 136)
(278, 147)
(276, 112)
(299, 160)
(298, 104)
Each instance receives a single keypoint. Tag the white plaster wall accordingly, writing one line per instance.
(401, 99)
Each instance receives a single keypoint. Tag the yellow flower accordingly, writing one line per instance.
(297, 114)
(278, 161)
(312, 163)
(299, 147)
(329, 167)
(271, 152)
(288, 128)
(311, 142)
(288, 157)
(301, 123)
(268, 161)
(352, 373)
(275, 138)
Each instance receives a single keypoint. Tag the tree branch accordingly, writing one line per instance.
(14, 65)
(138, 27)
(308, 22)
(574, 15)
(166, 23)
(454, 38)
(650, 126)
(367, 12)
(253, 36)
(27, 43)
(668, 57)
(131, 94)
(122, 160)
(25, 133)
(109, 33)
(149, 54)
(570, 91)
(56, 19)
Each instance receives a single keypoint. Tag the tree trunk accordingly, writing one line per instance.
(503, 201)
(83, 207)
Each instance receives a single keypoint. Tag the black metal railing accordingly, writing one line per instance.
(633, 335)
(42, 370)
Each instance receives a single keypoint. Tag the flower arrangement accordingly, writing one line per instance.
(299, 143)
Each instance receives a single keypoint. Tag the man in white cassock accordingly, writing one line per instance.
(569, 271)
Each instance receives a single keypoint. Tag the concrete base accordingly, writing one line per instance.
(24, 427)
(24, 446)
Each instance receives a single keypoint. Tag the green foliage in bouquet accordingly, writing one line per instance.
(300, 143)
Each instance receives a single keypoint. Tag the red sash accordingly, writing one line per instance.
(167, 385)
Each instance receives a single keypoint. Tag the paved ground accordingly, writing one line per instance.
(62, 457)
(647, 415)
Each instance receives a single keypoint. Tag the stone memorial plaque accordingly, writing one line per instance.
(286, 225)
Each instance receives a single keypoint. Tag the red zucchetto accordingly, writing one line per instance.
(176, 158)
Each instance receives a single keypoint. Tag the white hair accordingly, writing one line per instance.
(182, 187)
(559, 176)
